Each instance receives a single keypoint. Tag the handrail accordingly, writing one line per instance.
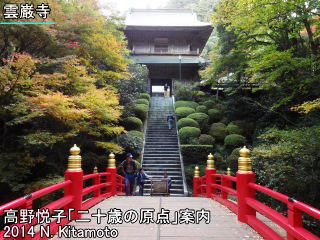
(68, 198)
(185, 190)
(33, 196)
(220, 189)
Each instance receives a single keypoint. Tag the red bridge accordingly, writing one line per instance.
(236, 193)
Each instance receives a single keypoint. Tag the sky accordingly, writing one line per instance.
(123, 5)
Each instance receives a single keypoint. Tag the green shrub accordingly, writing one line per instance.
(218, 131)
(142, 101)
(189, 104)
(133, 123)
(289, 161)
(205, 139)
(215, 115)
(199, 96)
(195, 153)
(224, 120)
(185, 91)
(233, 129)
(137, 133)
(145, 96)
(202, 109)
(246, 127)
(141, 111)
(187, 122)
(189, 172)
(202, 119)
(220, 162)
(210, 104)
(130, 142)
(235, 140)
(232, 159)
(186, 134)
(183, 112)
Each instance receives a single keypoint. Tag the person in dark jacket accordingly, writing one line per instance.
(170, 120)
(129, 169)
(141, 179)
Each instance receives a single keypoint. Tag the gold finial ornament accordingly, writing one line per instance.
(111, 161)
(196, 171)
(244, 161)
(228, 171)
(74, 160)
(210, 162)
(95, 170)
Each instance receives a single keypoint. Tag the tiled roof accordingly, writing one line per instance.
(163, 18)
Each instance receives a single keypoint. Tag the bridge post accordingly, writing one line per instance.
(112, 178)
(75, 174)
(209, 178)
(226, 183)
(96, 181)
(244, 177)
(294, 217)
(196, 181)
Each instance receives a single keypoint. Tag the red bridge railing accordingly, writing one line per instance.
(79, 195)
(239, 195)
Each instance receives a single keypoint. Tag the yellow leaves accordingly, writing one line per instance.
(109, 146)
(60, 107)
(307, 107)
(16, 75)
(102, 104)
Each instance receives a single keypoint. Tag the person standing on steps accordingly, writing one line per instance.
(129, 168)
(170, 120)
(166, 90)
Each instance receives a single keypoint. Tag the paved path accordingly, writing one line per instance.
(223, 226)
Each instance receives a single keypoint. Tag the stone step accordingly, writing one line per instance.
(161, 148)
(166, 166)
(172, 191)
(155, 169)
(162, 155)
(160, 160)
(151, 144)
(173, 185)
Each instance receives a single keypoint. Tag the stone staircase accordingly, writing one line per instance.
(161, 148)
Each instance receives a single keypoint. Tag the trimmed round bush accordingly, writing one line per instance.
(145, 96)
(141, 111)
(183, 112)
(142, 101)
(202, 119)
(218, 131)
(131, 143)
(233, 129)
(224, 120)
(210, 104)
(199, 95)
(195, 153)
(215, 115)
(202, 109)
(187, 122)
(233, 159)
(132, 123)
(189, 104)
(186, 134)
(137, 133)
(205, 139)
(235, 140)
